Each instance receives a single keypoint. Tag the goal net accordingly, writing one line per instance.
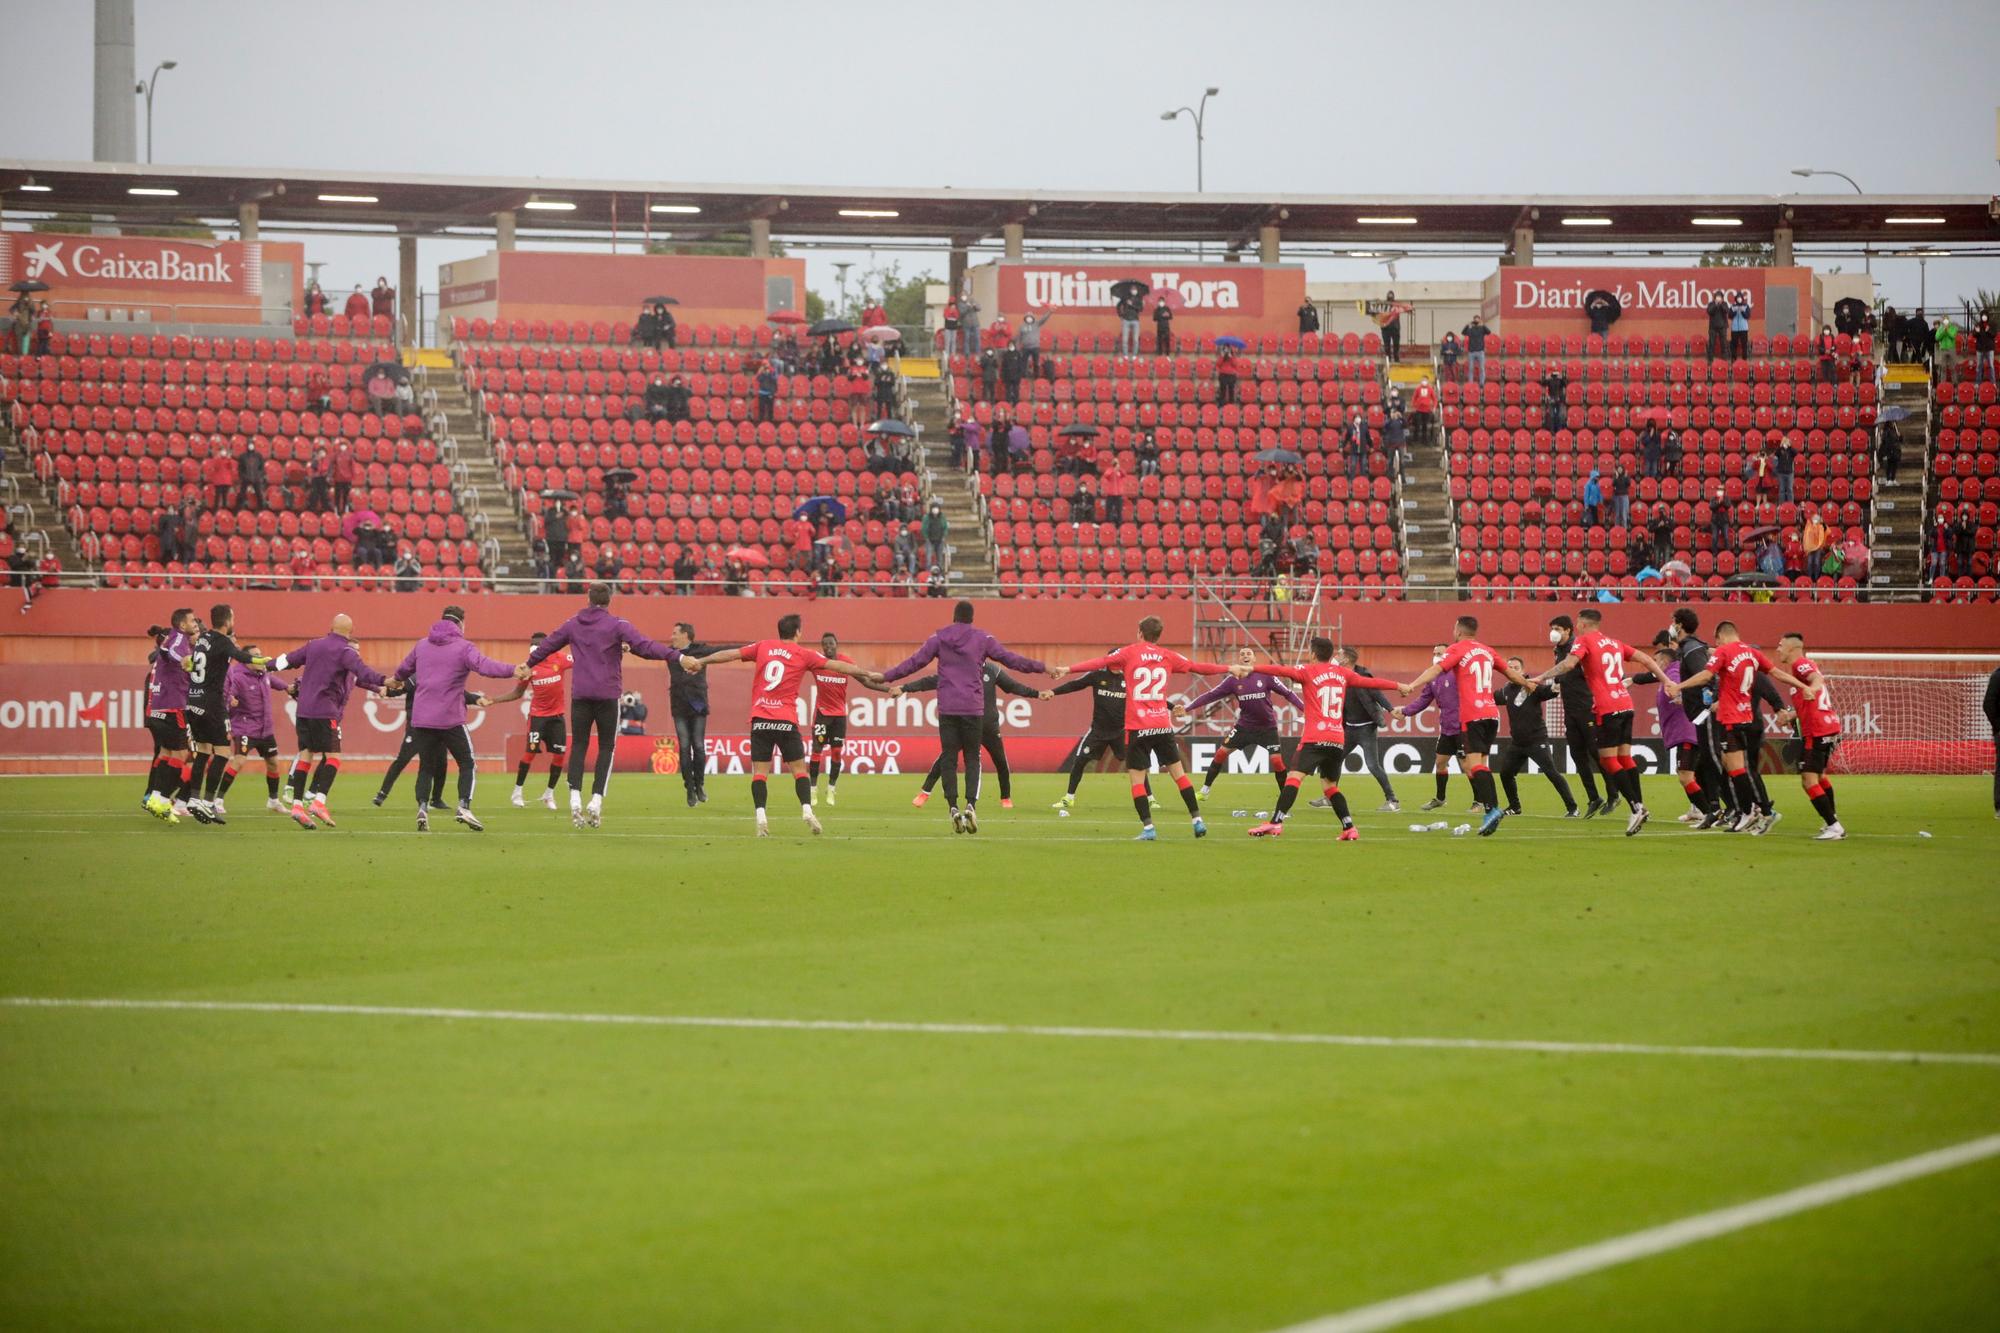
(1910, 712)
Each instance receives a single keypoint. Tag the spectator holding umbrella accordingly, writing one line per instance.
(1163, 327)
(1227, 368)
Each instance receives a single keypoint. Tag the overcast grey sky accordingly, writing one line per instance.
(1690, 96)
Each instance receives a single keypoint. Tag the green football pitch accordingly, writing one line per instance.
(363, 1078)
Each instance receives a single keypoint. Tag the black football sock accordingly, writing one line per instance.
(1141, 804)
(812, 770)
(1634, 793)
(197, 772)
(1338, 801)
(521, 773)
(1188, 798)
(757, 790)
(1826, 789)
(804, 787)
(165, 777)
(1286, 798)
(272, 784)
(1482, 787)
(1443, 780)
(1076, 780)
(1215, 767)
(186, 788)
(1278, 769)
(1746, 795)
(1507, 782)
(833, 771)
(555, 771)
(228, 780)
(937, 771)
(1822, 802)
(212, 779)
(300, 771)
(323, 776)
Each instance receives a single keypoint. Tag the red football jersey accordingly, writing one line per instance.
(781, 669)
(1325, 689)
(1603, 667)
(830, 690)
(1475, 665)
(1146, 667)
(1814, 706)
(1735, 666)
(545, 684)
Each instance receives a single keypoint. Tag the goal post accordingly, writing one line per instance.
(1904, 712)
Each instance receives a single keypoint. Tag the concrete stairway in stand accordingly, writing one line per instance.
(972, 559)
(1899, 509)
(1430, 555)
(31, 507)
(478, 481)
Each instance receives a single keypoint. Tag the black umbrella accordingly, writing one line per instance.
(1129, 287)
(827, 327)
(29, 285)
(624, 476)
(559, 495)
(1278, 456)
(891, 426)
(1080, 429)
(1849, 314)
(1751, 578)
(1600, 304)
(661, 300)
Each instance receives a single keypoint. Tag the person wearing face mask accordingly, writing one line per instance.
(1684, 641)
(1579, 724)
(1441, 692)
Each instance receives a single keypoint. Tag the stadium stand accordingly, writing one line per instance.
(119, 426)
(1517, 486)
(1964, 477)
(557, 403)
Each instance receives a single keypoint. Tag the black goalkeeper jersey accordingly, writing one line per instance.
(1107, 699)
(209, 678)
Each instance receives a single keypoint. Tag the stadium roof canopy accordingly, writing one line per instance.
(393, 202)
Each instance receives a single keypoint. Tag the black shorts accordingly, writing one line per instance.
(1614, 730)
(548, 735)
(321, 735)
(1479, 736)
(1451, 745)
(208, 728)
(1322, 759)
(1242, 741)
(1095, 743)
(768, 737)
(1737, 738)
(829, 730)
(169, 728)
(1816, 753)
(1153, 743)
(1687, 757)
(267, 746)
(1580, 730)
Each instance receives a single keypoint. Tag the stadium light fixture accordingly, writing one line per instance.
(677, 208)
(349, 199)
(30, 187)
(1717, 222)
(160, 190)
(1386, 222)
(550, 205)
(148, 86)
(1586, 222)
(869, 213)
(1914, 222)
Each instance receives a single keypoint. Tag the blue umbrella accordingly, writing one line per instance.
(1232, 342)
(811, 510)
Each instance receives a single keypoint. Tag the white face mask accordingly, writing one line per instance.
(1555, 636)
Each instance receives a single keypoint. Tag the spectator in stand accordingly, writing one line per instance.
(1813, 538)
(1938, 557)
(885, 392)
(1308, 317)
(357, 306)
(1129, 307)
(1721, 520)
(989, 374)
(315, 299)
(1475, 349)
(670, 333)
(1921, 340)
(409, 573)
(1083, 504)
(1638, 550)
(936, 530)
(1147, 451)
(343, 476)
(975, 443)
(1360, 440)
(1621, 495)
(1227, 368)
(873, 315)
(1392, 330)
(574, 573)
(1010, 372)
(606, 568)
(860, 393)
(1116, 480)
(1964, 540)
(406, 396)
(968, 327)
(1395, 436)
(1020, 451)
(45, 328)
(319, 389)
(1448, 354)
(1757, 475)
(1030, 340)
(1163, 328)
(1892, 333)
(1946, 337)
(167, 528)
(219, 478)
(382, 301)
(1785, 463)
(950, 321)
(1739, 326)
(1671, 450)
(1423, 411)
(1982, 348)
(1718, 327)
(555, 530)
(1593, 500)
(1649, 449)
(1555, 408)
(936, 585)
(686, 567)
(907, 553)
(250, 465)
(1889, 452)
(646, 328)
(1661, 525)
(21, 334)
(1828, 348)
(767, 392)
(1770, 556)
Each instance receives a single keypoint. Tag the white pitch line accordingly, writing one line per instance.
(1979, 1058)
(1545, 1272)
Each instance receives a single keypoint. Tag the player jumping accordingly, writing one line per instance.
(1602, 660)
(990, 739)
(247, 694)
(1107, 728)
(829, 715)
(1733, 665)
(1149, 730)
(166, 713)
(1819, 731)
(1256, 720)
(547, 718)
(1323, 744)
(1474, 665)
(329, 669)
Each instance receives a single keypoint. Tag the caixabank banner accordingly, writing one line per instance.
(176, 279)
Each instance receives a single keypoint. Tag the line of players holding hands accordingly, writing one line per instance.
(209, 702)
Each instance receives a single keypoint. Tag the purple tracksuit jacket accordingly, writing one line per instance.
(167, 687)
(597, 640)
(248, 696)
(1253, 699)
(439, 666)
(1675, 729)
(329, 669)
(960, 652)
(1442, 691)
